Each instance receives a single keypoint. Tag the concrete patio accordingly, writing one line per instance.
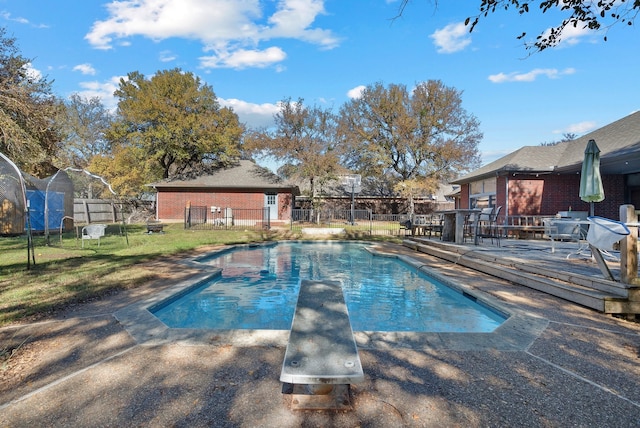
(572, 366)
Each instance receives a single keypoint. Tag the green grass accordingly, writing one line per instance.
(64, 273)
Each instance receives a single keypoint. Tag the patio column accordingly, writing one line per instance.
(629, 247)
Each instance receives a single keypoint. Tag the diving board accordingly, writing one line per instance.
(321, 359)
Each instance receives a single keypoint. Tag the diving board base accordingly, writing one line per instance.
(318, 396)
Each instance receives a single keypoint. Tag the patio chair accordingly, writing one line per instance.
(469, 228)
(406, 225)
(93, 231)
(562, 230)
(435, 225)
(487, 226)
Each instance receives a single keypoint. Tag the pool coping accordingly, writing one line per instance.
(516, 333)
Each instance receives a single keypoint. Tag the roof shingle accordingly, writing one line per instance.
(243, 175)
(619, 143)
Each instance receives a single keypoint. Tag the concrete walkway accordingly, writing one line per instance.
(574, 367)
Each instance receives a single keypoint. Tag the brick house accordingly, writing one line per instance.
(545, 180)
(242, 187)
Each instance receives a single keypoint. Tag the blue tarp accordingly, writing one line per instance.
(55, 204)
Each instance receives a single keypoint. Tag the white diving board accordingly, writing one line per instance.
(321, 359)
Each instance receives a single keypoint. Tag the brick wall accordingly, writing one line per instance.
(562, 193)
(525, 196)
(171, 203)
(464, 197)
(548, 194)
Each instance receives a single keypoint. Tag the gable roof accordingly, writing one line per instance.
(619, 144)
(242, 175)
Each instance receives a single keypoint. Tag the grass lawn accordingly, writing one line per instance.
(64, 273)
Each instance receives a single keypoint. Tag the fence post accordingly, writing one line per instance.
(85, 208)
(629, 247)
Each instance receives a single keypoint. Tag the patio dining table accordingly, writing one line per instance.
(453, 223)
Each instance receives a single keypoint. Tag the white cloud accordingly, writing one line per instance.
(253, 115)
(551, 73)
(244, 58)
(356, 92)
(7, 16)
(229, 28)
(294, 18)
(33, 73)
(571, 35)
(85, 68)
(452, 38)
(167, 56)
(20, 20)
(578, 128)
(103, 90)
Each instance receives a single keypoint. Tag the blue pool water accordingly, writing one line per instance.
(258, 289)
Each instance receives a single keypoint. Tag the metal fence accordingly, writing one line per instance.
(204, 218)
(362, 222)
(352, 221)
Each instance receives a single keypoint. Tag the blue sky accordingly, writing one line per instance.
(256, 53)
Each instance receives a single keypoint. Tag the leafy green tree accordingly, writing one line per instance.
(412, 140)
(126, 169)
(584, 14)
(28, 134)
(176, 122)
(83, 124)
(304, 138)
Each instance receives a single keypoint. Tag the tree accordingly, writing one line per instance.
(27, 111)
(409, 142)
(83, 124)
(126, 169)
(584, 14)
(303, 138)
(567, 136)
(176, 122)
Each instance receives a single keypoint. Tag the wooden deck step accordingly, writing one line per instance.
(582, 289)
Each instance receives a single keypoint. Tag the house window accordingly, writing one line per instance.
(482, 194)
(271, 199)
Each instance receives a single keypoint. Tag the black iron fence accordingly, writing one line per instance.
(349, 221)
(201, 217)
(362, 222)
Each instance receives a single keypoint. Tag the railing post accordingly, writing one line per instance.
(629, 247)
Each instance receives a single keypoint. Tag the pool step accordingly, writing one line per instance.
(592, 292)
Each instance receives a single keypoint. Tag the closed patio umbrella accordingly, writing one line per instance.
(591, 189)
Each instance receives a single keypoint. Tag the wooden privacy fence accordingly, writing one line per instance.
(96, 211)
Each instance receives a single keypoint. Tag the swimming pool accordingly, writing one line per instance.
(258, 289)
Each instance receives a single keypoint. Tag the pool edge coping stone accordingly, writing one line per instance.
(516, 333)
